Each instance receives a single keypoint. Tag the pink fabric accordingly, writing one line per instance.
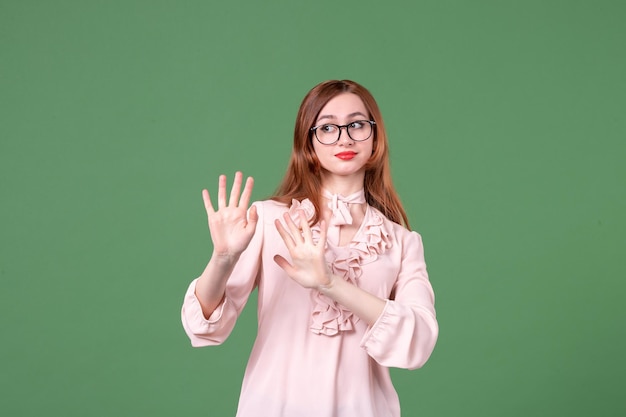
(311, 356)
(339, 206)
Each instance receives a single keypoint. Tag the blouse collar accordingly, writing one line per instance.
(339, 206)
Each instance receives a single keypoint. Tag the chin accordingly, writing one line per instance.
(344, 172)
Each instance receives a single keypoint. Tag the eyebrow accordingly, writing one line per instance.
(330, 116)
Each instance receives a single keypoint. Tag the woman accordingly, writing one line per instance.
(343, 291)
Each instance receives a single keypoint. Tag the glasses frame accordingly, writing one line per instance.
(371, 123)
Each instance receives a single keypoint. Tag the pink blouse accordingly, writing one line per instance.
(311, 356)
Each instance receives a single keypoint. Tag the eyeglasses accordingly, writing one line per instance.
(329, 133)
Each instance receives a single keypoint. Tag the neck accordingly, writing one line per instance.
(343, 185)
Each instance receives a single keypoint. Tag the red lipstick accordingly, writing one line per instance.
(346, 156)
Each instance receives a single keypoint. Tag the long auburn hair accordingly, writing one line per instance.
(303, 177)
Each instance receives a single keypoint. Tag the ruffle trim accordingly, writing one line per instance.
(329, 318)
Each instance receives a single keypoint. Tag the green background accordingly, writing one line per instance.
(507, 129)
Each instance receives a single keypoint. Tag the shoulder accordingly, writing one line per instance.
(397, 232)
(271, 205)
(269, 210)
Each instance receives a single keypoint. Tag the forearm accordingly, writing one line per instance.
(366, 306)
(211, 285)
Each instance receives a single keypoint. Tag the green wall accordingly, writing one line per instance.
(508, 134)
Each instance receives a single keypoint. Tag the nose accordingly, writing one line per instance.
(347, 137)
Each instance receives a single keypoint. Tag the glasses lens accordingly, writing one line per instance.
(360, 130)
(327, 134)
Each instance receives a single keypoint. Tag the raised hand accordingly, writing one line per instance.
(308, 267)
(231, 226)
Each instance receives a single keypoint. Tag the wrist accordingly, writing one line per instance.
(328, 286)
(224, 260)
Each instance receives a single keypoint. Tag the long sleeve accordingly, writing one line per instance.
(216, 329)
(405, 334)
(294, 351)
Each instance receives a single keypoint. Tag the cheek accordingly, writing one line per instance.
(319, 151)
(315, 150)
(370, 148)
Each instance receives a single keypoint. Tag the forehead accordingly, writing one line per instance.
(343, 105)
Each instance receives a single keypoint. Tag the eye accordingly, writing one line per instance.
(356, 125)
(328, 128)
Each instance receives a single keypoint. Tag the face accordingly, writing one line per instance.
(346, 157)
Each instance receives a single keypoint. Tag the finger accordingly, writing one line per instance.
(221, 192)
(296, 233)
(304, 226)
(207, 202)
(247, 193)
(284, 234)
(253, 216)
(323, 233)
(284, 264)
(234, 192)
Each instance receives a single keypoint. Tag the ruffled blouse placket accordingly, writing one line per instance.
(329, 318)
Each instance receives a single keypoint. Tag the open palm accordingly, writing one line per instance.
(308, 265)
(231, 226)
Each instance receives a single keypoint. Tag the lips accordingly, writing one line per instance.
(346, 156)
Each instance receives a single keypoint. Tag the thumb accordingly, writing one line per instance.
(253, 215)
(283, 263)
